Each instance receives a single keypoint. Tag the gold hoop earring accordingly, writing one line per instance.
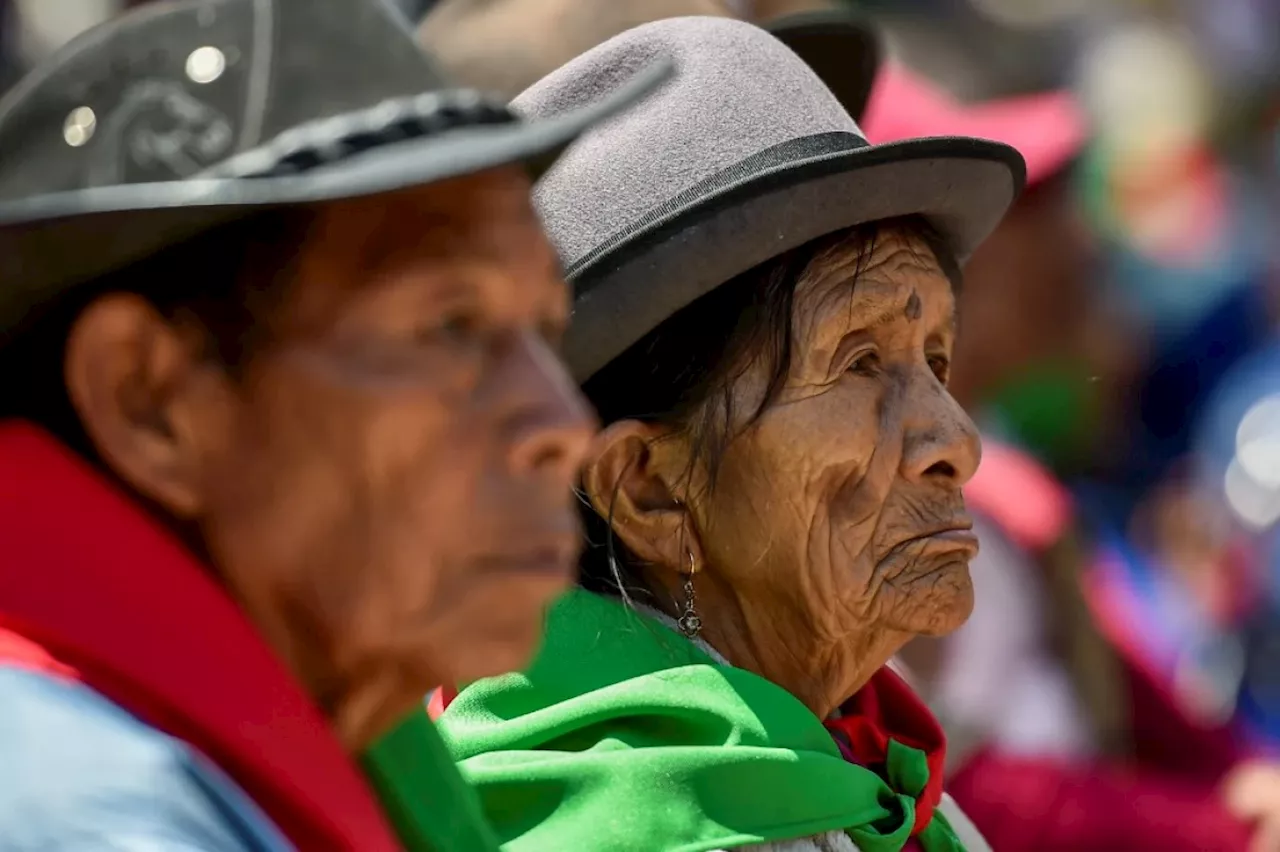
(690, 622)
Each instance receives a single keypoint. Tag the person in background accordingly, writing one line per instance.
(535, 37)
(506, 46)
(283, 439)
(1235, 438)
(1030, 287)
(763, 318)
(1057, 741)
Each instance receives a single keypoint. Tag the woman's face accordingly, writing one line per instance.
(836, 527)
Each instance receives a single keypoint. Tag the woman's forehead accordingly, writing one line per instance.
(871, 283)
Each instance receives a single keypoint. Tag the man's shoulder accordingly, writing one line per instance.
(78, 772)
(47, 722)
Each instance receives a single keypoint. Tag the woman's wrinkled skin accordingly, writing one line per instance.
(386, 487)
(836, 528)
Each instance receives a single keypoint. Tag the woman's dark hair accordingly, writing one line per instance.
(683, 374)
(223, 282)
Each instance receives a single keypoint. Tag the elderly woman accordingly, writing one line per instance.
(764, 316)
(281, 448)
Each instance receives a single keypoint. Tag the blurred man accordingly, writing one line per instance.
(284, 442)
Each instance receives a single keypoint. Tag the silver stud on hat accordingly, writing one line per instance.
(206, 64)
(79, 126)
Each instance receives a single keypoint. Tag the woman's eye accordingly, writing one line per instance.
(867, 363)
(941, 367)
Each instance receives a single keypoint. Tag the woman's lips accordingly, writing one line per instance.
(954, 535)
(964, 539)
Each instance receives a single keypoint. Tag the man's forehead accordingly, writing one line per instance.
(460, 201)
(483, 215)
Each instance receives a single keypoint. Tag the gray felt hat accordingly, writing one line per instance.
(744, 155)
(180, 116)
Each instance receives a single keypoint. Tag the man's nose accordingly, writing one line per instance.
(552, 423)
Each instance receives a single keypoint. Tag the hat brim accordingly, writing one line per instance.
(637, 280)
(840, 46)
(51, 242)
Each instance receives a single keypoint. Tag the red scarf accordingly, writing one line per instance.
(92, 589)
(886, 708)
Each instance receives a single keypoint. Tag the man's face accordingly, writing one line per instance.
(386, 488)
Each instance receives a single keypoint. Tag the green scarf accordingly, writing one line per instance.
(624, 735)
(431, 808)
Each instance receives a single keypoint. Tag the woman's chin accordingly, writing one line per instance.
(937, 603)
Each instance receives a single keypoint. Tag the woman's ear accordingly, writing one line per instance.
(631, 477)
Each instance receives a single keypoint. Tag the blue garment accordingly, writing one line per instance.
(80, 774)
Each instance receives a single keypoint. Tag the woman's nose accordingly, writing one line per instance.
(551, 424)
(941, 442)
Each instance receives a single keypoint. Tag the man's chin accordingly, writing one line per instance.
(495, 624)
(496, 648)
(491, 660)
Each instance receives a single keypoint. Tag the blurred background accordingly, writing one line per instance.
(1123, 361)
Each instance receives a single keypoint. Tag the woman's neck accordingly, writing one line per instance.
(821, 674)
(669, 621)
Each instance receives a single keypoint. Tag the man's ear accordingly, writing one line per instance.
(632, 476)
(129, 375)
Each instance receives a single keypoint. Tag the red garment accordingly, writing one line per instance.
(886, 708)
(92, 589)
(1050, 805)
(1167, 741)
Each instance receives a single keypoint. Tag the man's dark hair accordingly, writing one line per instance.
(224, 282)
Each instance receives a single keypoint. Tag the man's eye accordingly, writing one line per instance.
(458, 326)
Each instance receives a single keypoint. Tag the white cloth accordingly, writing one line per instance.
(838, 841)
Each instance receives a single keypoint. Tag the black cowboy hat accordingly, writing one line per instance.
(744, 156)
(180, 116)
